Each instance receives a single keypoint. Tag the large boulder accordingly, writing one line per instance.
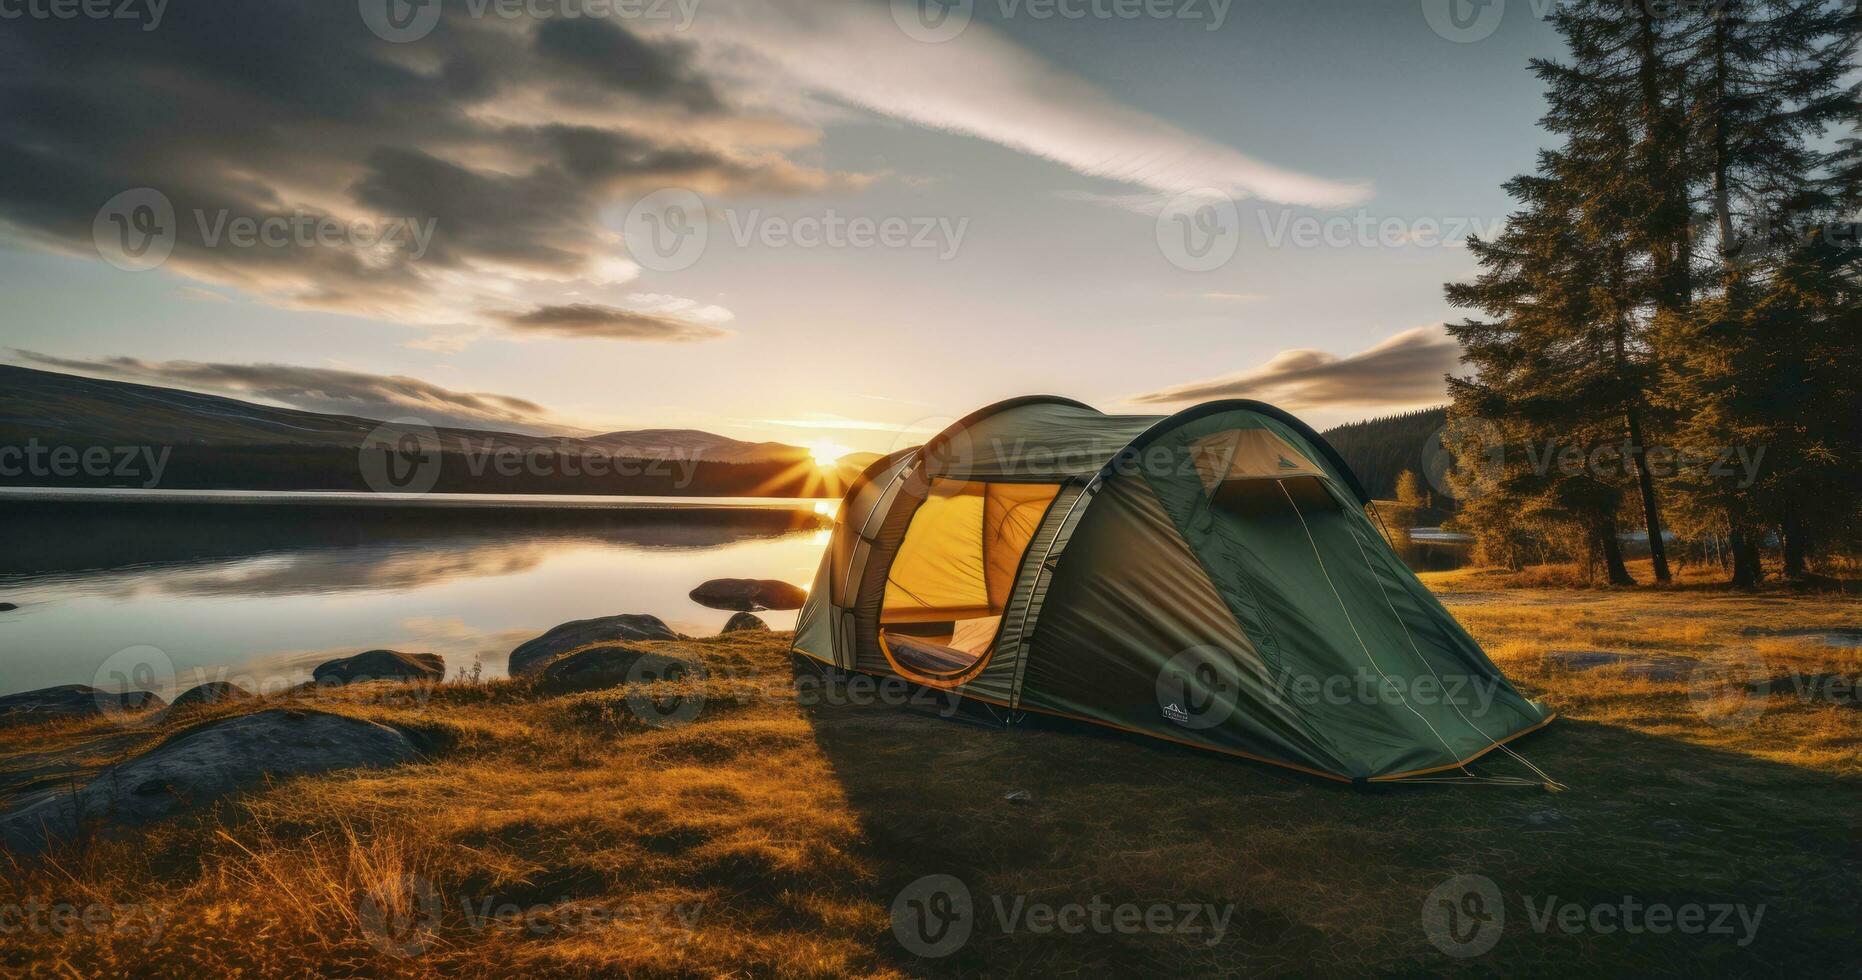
(199, 766)
(7, 607)
(749, 594)
(611, 666)
(212, 692)
(531, 655)
(71, 701)
(744, 622)
(381, 665)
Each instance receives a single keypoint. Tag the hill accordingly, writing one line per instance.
(214, 442)
(1378, 449)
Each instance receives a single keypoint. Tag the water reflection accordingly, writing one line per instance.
(261, 594)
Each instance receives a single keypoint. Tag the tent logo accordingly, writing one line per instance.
(1197, 688)
(1287, 464)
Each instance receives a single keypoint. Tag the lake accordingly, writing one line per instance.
(163, 590)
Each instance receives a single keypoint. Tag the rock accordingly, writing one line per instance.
(71, 701)
(610, 666)
(7, 607)
(531, 655)
(212, 692)
(749, 594)
(199, 766)
(744, 622)
(381, 665)
(1654, 668)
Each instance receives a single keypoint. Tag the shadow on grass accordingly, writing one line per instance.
(1319, 877)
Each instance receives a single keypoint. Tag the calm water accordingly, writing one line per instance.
(119, 590)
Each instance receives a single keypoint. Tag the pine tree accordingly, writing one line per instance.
(1550, 366)
(1767, 364)
(1619, 103)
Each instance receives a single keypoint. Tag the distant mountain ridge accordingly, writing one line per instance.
(220, 442)
(52, 405)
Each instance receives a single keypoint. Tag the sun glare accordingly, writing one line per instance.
(826, 453)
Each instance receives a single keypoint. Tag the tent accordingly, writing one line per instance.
(1210, 577)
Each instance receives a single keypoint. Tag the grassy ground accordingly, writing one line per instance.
(771, 835)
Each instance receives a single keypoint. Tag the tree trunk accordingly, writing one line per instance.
(1613, 554)
(1745, 548)
(1658, 160)
(1796, 548)
(1651, 512)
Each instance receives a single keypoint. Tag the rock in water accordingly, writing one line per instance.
(7, 607)
(611, 666)
(531, 655)
(381, 665)
(199, 766)
(744, 622)
(71, 701)
(749, 594)
(212, 692)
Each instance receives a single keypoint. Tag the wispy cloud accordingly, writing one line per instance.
(984, 85)
(609, 323)
(1406, 369)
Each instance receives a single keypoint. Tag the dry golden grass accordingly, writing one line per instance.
(770, 836)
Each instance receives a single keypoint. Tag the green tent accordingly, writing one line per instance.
(1210, 578)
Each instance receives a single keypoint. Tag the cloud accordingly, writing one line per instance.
(981, 84)
(1406, 369)
(325, 390)
(608, 323)
(509, 138)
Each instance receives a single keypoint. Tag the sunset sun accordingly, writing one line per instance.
(827, 453)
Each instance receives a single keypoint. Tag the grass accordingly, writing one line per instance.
(560, 834)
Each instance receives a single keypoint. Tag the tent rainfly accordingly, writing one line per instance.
(1209, 578)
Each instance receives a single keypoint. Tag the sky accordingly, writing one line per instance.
(840, 224)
